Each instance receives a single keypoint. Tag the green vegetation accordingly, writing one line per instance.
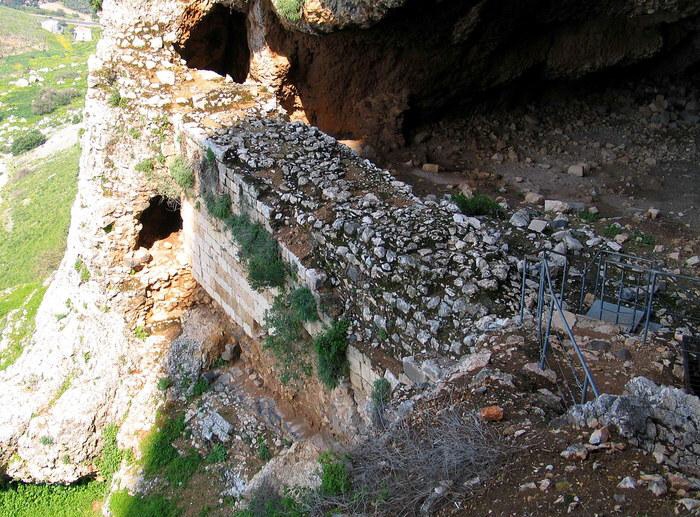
(381, 393)
(116, 100)
(219, 206)
(289, 9)
(264, 453)
(46, 440)
(182, 173)
(122, 504)
(18, 500)
(330, 347)
(644, 239)
(199, 387)
(49, 100)
(164, 383)
(141, 333)
(478, 204)
(27, 141)
(273, 505)
(157, 449)
(82, 270)
(112, 456)
(335, 479)
(259, 251)
(612, 230)
(286, 337)
(32, 244)
(303, 303)
(589, 217)
(218, 454)
(210, 157)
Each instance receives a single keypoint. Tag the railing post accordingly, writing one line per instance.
(650, 301)
(522, 292)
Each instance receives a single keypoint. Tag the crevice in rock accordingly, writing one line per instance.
(158, 221)
(218, 42)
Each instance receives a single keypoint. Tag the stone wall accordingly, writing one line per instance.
(216, 265)
(663, 420)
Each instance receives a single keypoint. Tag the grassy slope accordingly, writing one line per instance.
(21, 28)
(36, 206)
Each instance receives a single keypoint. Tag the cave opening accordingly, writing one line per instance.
(218, 42)
(159, 221)
(432, 59)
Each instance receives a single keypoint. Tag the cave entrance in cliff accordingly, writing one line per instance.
(218, 42)
(159, 221)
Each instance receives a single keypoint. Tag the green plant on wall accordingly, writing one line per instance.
(330, 347)
(286, 338)
(289, 9)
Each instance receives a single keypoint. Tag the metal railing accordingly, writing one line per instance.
(549, 303)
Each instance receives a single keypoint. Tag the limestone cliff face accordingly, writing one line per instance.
(395, 62)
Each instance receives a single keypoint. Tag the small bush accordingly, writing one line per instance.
(264, 453)
(259, 251)
(116, 100)
(146, 166)
(210, 157)
(200, 387)
(289, 9)
(48, 100)
(27, 141)
(381, 393)
(122, 504)
(182, 173)
(302, 302)
(182, 468)
(267, 502)
(217, 454)
(46, 440)
(330, 347)
(219, 206)
(164, 383)
(156, 449)
(286, 340)
(612, 230)
(478, 204)
(589, 217)
(108, 463)
(82, 270)
(335, 479)
(141, 333)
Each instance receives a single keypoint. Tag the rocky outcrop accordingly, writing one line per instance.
(660, 419)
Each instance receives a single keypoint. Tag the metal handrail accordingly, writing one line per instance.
(589, 381)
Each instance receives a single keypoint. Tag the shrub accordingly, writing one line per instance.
(156, 449)
(96, 5)
(335, 479)
(108, 463)
(330, 347)
(259, 251)
(286, 339)
(27, 141)
(219, 206)
(140, 333)
(302, 302)
(164, 383)
(116, 100)
(381, 393)
(289, 9)
(217, 454)
(122, 504)
(210, 157)
(48, 100)
(478, 204)
(83, 271)
(264, 453)
(182, 173)
(267, 502)
(182, 468)
(200, 387)
(146, 166)
(46, 440)
(611, 230)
